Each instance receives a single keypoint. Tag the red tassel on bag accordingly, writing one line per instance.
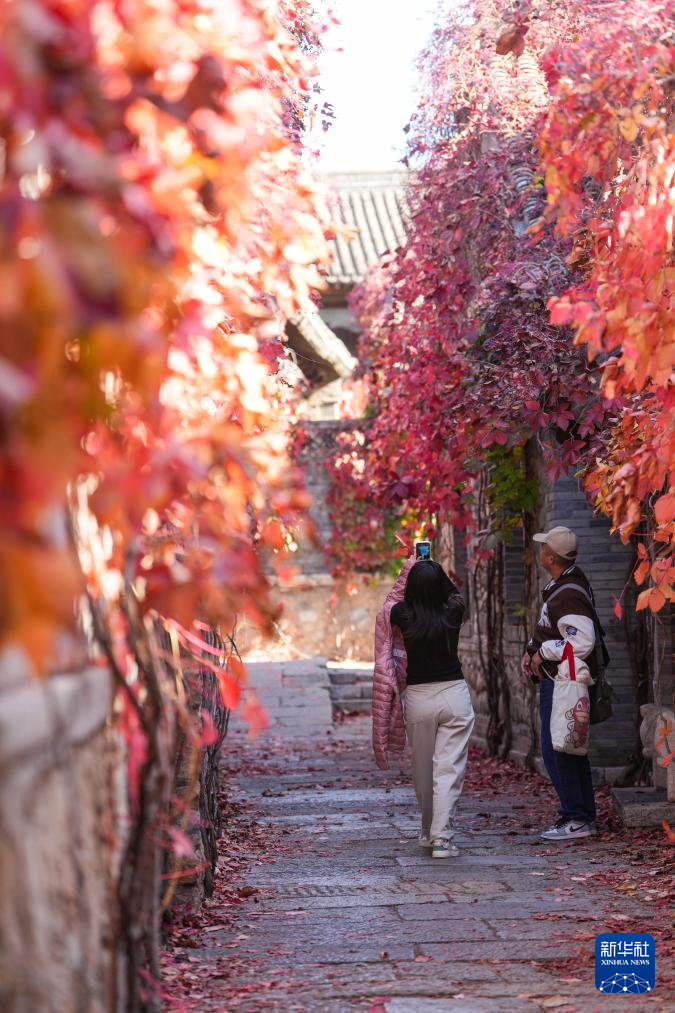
(568, 656)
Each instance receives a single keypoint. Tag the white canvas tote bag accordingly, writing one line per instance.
(571, 710)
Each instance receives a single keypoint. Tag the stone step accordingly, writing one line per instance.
(352, 706)
(346, 677)
(643, 807)
(338, 694)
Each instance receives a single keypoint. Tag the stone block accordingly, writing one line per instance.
(643, 807)
(304, 667)
(62, 812)
(307, 615)
(342, 677)
(67, 709)
(353, 705)
(359, 614)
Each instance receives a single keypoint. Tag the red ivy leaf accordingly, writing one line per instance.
(664, 511)
(512, 41)
(209, 735)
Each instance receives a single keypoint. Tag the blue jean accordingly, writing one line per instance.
(571, 775)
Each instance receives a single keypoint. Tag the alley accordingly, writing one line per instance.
(326, 902)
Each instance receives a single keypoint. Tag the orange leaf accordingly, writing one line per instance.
(255, 714)
(667, 759)
(618, 612)
(669, 833)
(664, 510)
(657, 599)
(643, 599)
(641, 571)
(628, 128)
(273, 535)
(236, 669)
(230, 690)
(562, 312)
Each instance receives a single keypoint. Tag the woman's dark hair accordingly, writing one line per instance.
(426, 597)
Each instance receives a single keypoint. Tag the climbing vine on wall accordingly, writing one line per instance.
(533, 298)
(608, 150)
(511, 491)
(468, 291)
(157, 225)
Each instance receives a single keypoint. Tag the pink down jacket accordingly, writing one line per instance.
(389, 677)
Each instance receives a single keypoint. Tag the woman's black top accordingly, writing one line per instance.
(435, 658)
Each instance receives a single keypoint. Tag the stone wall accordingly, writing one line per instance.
(321, 616)
(64, 823)
(61, 804)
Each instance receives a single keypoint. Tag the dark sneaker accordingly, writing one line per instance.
(444, 849)
(570, 831)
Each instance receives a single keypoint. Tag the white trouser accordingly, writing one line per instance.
(438, 721)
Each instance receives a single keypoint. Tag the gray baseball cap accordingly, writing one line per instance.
(561, 540)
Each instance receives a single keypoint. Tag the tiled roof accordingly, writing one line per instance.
(321, 341)
(373, 203)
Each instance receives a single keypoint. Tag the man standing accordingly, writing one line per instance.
(567, 616)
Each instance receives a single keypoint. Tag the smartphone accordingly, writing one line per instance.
(423, 550)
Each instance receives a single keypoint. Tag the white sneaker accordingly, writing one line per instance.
(424, 840)
(560, 822)
(571, 831)
(444, 849)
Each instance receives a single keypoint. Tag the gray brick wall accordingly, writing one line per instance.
(514, 577)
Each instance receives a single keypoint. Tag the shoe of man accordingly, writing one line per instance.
(560, 822)
(444, 849)
(424, 839)
(573, 830)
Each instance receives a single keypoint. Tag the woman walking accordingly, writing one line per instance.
(419, 689)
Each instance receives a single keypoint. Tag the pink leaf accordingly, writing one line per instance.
(181, 845)
(209, 735)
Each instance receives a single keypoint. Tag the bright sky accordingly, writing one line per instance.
(371, 83)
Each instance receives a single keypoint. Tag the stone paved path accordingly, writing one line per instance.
(350, 913)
